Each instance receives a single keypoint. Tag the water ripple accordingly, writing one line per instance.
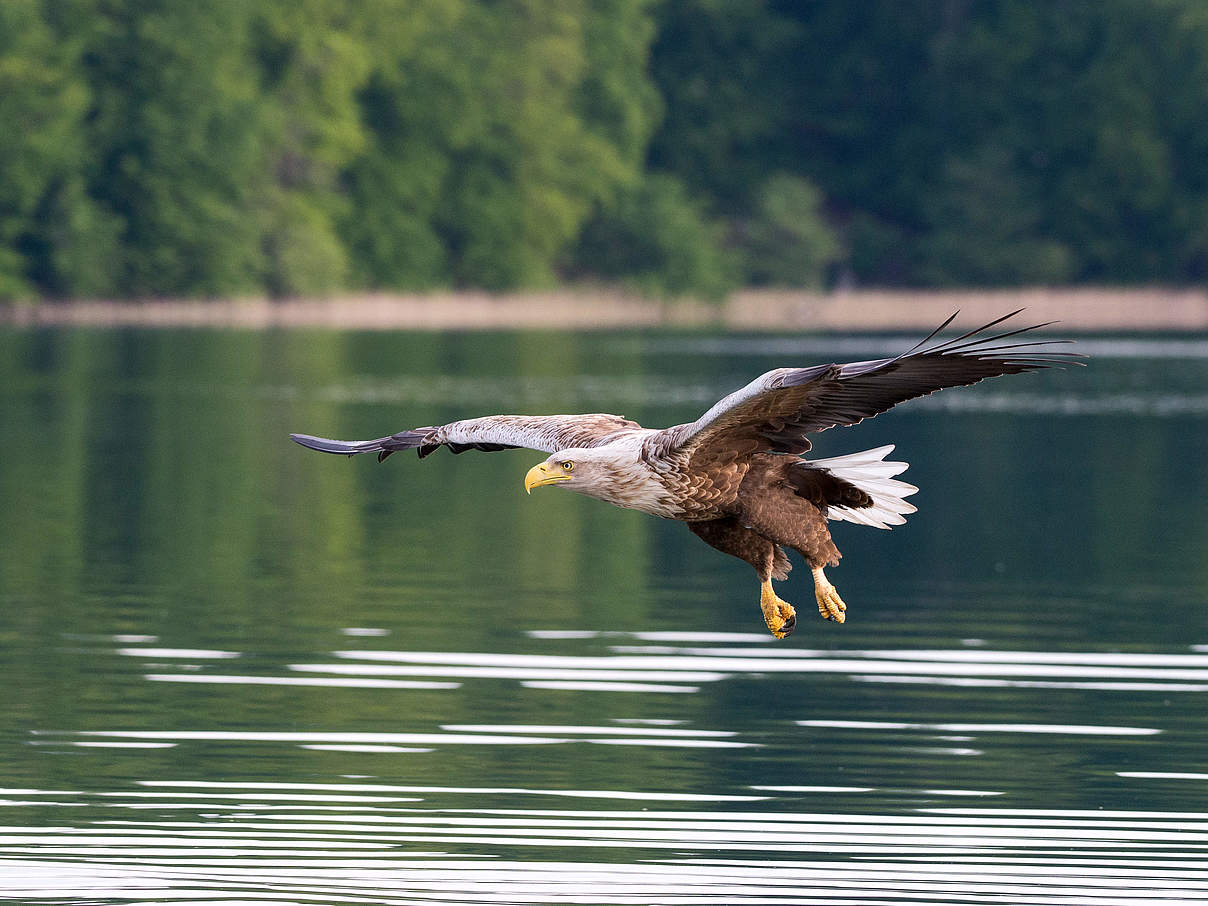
(667, 666)
(349, 843)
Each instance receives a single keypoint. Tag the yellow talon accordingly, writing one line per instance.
(830, 605)
(778, 614)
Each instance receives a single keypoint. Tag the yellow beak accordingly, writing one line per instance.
(543, 473)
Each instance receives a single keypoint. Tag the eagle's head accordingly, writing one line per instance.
(579, 469)
(610, 472)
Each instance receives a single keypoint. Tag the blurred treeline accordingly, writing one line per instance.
(176, 147)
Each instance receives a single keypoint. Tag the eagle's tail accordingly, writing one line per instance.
(869, 471)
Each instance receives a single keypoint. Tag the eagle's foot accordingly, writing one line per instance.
(777, 613)
(830, 605)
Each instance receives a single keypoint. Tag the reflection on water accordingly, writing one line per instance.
(374, 852)
(358, 834)
(238, 673)
(373, 842)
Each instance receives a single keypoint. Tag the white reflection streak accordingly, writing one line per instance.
(816, 789)
(1162, 775)
(870, 789)
(591, 686)
(355, 738)
(405, 738)
(520, 673)
(189, 653)
(348, 682)
(262, 794)
(477, 791)
(331, 747)
(494, 659)
(1071, 729)
(557, 730)
(680, 743)
(1072, 813)
(1044, 657)
(649, 636)
(759, 661)
(112, 842)
(104, 744)
(1102, 686)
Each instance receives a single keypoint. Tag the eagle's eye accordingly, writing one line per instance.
(567, 465)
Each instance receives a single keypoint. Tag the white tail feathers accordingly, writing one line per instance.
(869, 472)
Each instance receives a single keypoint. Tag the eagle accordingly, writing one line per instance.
(737, 475)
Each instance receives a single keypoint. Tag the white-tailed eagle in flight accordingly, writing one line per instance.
(737, 475)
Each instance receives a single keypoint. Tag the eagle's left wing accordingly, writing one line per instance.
(778, 409)
(548, 433)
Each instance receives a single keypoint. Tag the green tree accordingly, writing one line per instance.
(519, 191)
(788, 242)
(161, 147)
(1070, 128)
(495, 129)
(983, 142)
(52, 237)
(397, 184)
(729, 76)
(985, 226)
(177, 142)
(314, 58)
(655, 238)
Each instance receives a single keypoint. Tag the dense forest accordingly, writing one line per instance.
(170, 147)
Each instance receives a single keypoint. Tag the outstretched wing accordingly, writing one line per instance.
(778, 409)
(492, 432)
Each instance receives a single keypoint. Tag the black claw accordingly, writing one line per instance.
(789, 625)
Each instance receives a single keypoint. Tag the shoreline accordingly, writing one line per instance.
(1087, 310)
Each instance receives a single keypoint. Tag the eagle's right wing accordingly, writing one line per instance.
(778, 409)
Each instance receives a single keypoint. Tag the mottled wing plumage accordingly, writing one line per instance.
(776, 411)
(547, 433)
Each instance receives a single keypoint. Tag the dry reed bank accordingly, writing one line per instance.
(753, 310)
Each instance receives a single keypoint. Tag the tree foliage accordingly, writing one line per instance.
(157, 147)
(968, 142)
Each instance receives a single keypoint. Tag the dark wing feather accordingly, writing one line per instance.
(548, 433)
(778, 409)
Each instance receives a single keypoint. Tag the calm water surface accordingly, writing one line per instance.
(241, 672)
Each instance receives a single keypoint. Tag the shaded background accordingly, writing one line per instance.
(159, 147)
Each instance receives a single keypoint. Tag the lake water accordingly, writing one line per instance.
(237, 671)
